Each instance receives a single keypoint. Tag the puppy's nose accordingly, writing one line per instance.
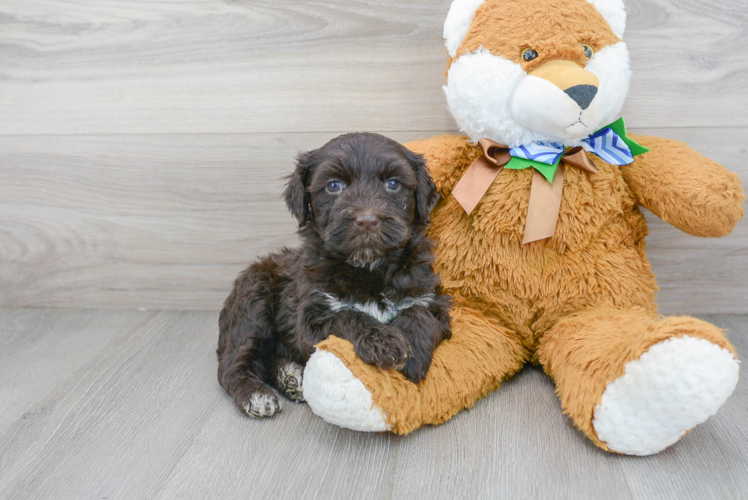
(367, 221)
(582, 94)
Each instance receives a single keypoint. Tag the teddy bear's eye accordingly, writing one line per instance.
(529, 54)
(588, 52)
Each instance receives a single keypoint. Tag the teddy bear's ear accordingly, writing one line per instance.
(458, 22)
(614, 12)
(462, 12)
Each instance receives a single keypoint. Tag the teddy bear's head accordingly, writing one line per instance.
(535, 71)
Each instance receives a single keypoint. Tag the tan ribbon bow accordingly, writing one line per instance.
(545, 197)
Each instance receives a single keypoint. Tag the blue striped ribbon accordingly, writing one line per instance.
(540, 152)
(605, 143)
(609, 146)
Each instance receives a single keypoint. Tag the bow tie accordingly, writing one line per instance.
(547, 160)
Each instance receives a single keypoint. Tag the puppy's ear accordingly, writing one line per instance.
(296, 194)
(426, 196)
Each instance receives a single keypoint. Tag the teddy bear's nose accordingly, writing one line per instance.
(582, 94)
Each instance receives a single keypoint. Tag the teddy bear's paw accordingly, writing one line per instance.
(674, 386)
(336, 395)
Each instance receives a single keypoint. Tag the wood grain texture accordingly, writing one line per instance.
(140, 221)
(142, 144)
(141, 150)
(120, 419)
(206, 66)
(140, 415)
(168, 221)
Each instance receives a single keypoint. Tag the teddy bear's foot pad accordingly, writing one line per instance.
(674, 386)
(336, 395)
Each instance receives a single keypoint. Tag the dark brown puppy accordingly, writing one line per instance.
(363, 274)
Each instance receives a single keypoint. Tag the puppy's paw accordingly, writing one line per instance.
(288, 380)
(384, 347)
(416, 369)
(262, 403)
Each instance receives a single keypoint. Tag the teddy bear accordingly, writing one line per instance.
(539, 239)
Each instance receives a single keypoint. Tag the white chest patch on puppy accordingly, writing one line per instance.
(383, 312)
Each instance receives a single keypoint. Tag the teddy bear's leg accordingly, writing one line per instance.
(635, 383)
(343, 390)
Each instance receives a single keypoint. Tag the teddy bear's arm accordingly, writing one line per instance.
(447, 156)
(685, 188)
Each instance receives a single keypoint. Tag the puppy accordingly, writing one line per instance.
(363, 273)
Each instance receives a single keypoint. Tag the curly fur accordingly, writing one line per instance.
(372, 286)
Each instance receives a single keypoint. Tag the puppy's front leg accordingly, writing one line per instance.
(383, 346)
(424, 329)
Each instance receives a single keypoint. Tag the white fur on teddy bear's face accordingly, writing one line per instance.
(462, 12)
(611, 67)
(492, 97)
(539, 105)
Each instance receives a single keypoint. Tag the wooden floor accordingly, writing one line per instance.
(125, 404)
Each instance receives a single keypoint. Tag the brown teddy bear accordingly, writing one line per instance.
(540, 239)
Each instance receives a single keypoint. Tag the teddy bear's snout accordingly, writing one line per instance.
(582, 94)
(575, 81)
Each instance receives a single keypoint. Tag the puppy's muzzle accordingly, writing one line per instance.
(576, 82)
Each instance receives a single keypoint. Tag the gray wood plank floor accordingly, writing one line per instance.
(124, 404)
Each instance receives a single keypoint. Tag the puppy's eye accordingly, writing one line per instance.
(588, 52)
(393, 184)
(334, 186)
(529, 54)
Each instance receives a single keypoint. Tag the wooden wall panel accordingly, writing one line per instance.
(168, 220)
(130, 67)
(142, 143)
(143, 220)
